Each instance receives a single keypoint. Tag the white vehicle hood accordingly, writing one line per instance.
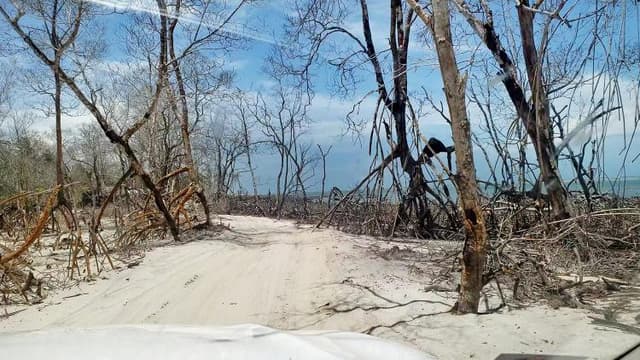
(247, 342)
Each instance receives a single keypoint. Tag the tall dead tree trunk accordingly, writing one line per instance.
(474, 251)
(541, 117)
(399, 36)
(320, 20)
(183, 114)
(62, 202)
(57, 99)
(247, 149)
(535, 115)
(323, 157)
(60, 44)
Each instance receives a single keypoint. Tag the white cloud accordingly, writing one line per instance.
(210, 21)
(580, 105)
(328, 115)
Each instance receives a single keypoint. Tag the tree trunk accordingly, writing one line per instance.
(247, 148)
(474, 252)
(323, 154)
(184, 118)
(399, 35)
(543, 140)
(535, 117)
(98, 178)
(63, 204)
(58, 115)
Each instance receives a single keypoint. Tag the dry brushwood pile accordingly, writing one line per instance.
(567, 262)
(30, 233)
(144, 221)
(40, 252)
(355, 215)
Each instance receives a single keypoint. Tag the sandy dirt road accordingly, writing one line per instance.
(281, 275)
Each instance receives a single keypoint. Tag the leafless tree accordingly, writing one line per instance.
(181, 107)
(89, 101)
(27, 160)
(221, 145)
(394, 137)
(281, 118)
(323, 157)
(534, 113)
(90, 150)
(241, 111)
(549, 53)
(6, 86)
(57, 29)
(474, 251)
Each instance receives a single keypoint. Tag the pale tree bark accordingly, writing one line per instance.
(62, 202)
(89, 102)
(474, 251)
(198, 38)
(247, 149)
(323, 156)
(59, 44)
(183, 113)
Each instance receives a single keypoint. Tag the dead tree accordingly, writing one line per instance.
(60, 25)
(183, 112)
(90, 102)
(60, 44)
(534, 113)
(281, 117)
(474, 251)
(243, 116)
(323, 157)
(179, 103)
(90, 152)
(224, 145)
(318, 21)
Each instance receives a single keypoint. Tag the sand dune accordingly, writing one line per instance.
(277, 274)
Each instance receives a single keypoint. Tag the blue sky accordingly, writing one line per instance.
(348, 161)
(262, 22)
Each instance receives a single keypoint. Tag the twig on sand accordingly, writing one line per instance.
(395, 304)
(365, 287)
(6, 314)
(337, 309)
(370, 330)
(616, 325)
(74, 295)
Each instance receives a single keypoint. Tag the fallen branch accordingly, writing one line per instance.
(378, 168)
(37, 230)
(337, 309)
(370, 330)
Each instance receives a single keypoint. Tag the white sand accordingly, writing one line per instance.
(277, 274)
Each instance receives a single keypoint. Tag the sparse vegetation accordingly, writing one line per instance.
(170, 138)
